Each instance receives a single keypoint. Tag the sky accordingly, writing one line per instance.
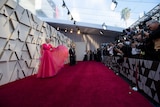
(99, 12)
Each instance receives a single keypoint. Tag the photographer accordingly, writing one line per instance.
(154, 36)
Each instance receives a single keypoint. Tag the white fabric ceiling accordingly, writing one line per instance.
(91, 11)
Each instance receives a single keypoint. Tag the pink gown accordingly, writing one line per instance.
(51, 60)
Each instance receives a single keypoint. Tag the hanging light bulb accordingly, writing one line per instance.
(57, 28)
(65, 30)
(69, 12)
(71, 18)
(104, 26)
(74, 22)
(63, 5)
(71, 31)
(78, 31)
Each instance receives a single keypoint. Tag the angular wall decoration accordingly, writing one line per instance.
(2, 2)
(21, 35)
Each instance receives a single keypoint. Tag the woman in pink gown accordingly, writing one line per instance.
(52, 59)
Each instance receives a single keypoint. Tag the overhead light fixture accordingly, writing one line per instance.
(104, 26)
(65, 30)
(78, 31)
(74, 22)
(63, 5)
(101, 32)
(114, 4)
(71, 18)
(71, 31)
(57, 28)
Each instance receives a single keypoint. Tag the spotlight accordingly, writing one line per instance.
(57, 28)
(74, 22)
(63, 5)
(101, 32)
(104, 26)
(114, 4)
(78, 31)
(71, 31)
(68, 12)
(65, 30)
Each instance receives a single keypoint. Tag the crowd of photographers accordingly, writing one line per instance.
(142, 42)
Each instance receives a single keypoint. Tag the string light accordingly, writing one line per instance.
(69, 13)
(63, 5)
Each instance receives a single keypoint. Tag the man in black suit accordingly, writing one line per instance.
(72, 55)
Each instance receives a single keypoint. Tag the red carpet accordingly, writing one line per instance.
(87, 84)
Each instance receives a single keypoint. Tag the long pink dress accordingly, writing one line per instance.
(52, 60)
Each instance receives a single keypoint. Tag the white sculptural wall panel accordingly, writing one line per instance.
(21, 35)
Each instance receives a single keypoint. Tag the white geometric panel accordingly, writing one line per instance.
(19, 12)
(13, 57)
(9, 11)
(5, 11)
(42, 29)
(19, 46)
(39, 41)
(6, 69)
(2, 43)
(6, 55)
(34, 63)
(44, 25)
(18, 54)
(2, 2)
(14, 23)
(25, 19)
(36, 54)
(6, 27)
(39, 25)
(16, 72)
(34, 41)
(11, 4)
(29, 38)
(32, 49)
(25, 55)
(15, 33)
(32, 32)
(24, 48)
(13, 16)
(23, 33)
(28, 62)
(11, 45)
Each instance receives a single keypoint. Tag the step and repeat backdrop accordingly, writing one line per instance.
(21, 34)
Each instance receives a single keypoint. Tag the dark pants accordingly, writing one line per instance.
(72, 60)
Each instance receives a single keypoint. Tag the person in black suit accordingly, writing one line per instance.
(72, 55)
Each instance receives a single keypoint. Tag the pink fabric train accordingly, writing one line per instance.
(52, 60)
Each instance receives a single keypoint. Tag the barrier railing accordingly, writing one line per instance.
(145, 74)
